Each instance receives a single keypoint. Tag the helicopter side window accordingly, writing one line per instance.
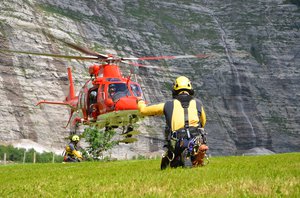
(118, 90)
(136, 90)
(93, 97)
(113, 79)
(92, 103)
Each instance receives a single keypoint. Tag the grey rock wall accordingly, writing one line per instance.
(249, 84)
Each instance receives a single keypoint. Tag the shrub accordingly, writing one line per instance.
(99, 141)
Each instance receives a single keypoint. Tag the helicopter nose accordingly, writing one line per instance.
(126, 103)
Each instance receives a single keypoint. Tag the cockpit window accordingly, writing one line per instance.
(136, 90)
(113, 79)
(118, 90)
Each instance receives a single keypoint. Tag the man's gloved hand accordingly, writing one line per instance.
(80, 159)
(138, 99)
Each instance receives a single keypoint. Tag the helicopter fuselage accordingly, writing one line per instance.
(107, 99)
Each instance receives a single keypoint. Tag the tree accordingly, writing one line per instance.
(99, 141)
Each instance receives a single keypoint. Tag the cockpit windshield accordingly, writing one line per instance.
(118, 90)
(136, 89)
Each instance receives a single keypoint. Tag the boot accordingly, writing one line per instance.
(164, 161)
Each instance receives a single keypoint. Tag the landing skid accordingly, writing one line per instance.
(117, 119)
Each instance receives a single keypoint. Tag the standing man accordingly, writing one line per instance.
(71, 153)
(185, 119)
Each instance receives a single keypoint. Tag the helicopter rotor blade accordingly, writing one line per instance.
(167, 57)
(86, 50)
(79, 48)
(51, 55)
(141, 65)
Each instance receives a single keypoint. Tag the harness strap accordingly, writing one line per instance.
(186, 122)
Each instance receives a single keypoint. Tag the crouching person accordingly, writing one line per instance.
(71, 153)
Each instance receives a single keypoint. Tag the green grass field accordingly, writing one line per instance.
(244, 176)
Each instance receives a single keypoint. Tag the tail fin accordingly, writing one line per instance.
(70, 101)
(71, 86)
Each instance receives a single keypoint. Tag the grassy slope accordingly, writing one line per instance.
(252, 176)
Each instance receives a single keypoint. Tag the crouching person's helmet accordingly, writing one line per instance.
(75, 138)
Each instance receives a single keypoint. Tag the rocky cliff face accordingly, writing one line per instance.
(249, 84)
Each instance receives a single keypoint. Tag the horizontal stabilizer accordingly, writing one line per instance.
(55, 103)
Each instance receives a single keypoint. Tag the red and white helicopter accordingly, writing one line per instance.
(107, 99)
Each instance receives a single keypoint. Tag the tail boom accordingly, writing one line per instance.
(71, 104)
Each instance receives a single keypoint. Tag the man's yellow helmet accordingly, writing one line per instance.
(182, 82)
(75, 138)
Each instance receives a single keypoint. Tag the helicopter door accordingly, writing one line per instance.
(101, 99)
(82, 103)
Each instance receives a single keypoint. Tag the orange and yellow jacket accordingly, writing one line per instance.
(174, 111)
(71, 151)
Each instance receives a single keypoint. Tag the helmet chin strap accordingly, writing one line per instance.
(183, 92)
(178, 92)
